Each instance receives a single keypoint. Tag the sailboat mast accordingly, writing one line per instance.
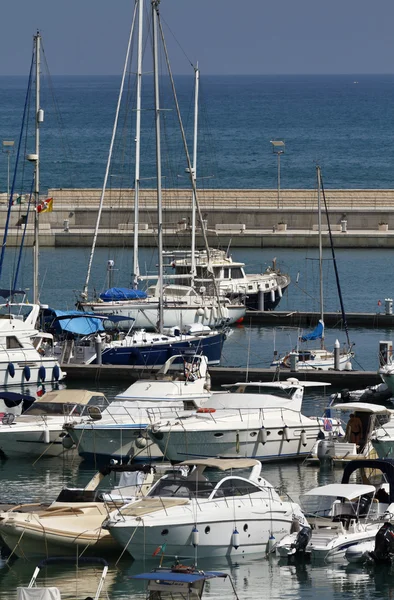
(84, 293)
(38, 119)
(155, 9)
(193, 271)
(318, 173)
(136, 269)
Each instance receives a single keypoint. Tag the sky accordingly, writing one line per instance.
(89, 37)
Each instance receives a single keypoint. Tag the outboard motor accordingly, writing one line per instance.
(302, 540)
(384, 544)
(325, 452)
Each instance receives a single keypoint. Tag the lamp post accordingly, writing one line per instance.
(8, 148)
(278, 148)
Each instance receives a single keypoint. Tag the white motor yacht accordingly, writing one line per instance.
(39, 430)
(26, 354)
(229, 513)
(340, 515)
(345, 517)
(254, 420)
(119, 432)
(262, 291)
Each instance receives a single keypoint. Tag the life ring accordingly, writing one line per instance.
(206, 410)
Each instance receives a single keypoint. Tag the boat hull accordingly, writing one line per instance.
(27, 372)
(33, 443)
(184, 445)
(120, 442)
(145, 314)
(29, 540)
(215, 537)
(157, 354)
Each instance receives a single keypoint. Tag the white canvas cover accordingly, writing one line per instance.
(38, 593)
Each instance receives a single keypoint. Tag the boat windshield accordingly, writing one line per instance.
(180, 487)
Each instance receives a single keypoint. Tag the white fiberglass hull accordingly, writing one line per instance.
(294, 441)
(330, 545)
(41, 440)
(145, 314)
(215, 534)
(27, 372)
(95, 443)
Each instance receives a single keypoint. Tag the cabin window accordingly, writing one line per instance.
(235, 487)
(179, 487)
(226, 273)
(236, 273)
(12, 343)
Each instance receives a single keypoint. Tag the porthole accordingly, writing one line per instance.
(218, 435)
(207, 529)
(253, 434)
(280, 432)
(164, 532)
(246, 527)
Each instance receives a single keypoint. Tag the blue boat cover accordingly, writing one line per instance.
(117, 293)
(74, 321)
(316, 334)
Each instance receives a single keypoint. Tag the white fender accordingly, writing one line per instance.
(195, 537)
(286, 433)
(235, 538)
(303, 438)
(263, 435)
(47, 437)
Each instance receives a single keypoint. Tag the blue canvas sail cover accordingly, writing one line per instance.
(316, 334)
(73, 321)
(117, 293)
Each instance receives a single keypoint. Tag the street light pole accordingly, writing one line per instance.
(8, 147)
(278, 148)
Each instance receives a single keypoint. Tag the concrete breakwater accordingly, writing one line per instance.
(250, 218)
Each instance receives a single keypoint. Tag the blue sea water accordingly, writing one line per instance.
(346, 126)
(344, 122)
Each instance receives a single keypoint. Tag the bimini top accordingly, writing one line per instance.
(362, 407)
(224, 464)
(70, 396)
(349, 491)
(177, 576)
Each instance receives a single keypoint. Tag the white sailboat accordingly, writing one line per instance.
(319, 358)
(164, 305)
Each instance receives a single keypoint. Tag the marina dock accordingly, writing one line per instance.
(280, 318)
(223, 375)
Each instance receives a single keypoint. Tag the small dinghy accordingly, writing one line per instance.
(179, 582)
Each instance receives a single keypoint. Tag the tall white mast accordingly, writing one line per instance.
(320, 249)
(193, 271)
(39, 117)
(84, 293)
(155, 9)
(136, 269)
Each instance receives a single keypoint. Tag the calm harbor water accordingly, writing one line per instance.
(254, 576)
(363, 275)
(344, 125)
